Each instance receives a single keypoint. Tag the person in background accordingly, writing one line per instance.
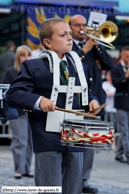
(120, 56)
(110, 110)
(36, 52)
(118, 60)
(21, 144)
(7, 58)
(97, 59)
(120, 80)
(55, 164)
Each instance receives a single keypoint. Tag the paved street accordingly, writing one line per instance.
(108, 175)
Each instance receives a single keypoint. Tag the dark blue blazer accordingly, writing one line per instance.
(97, 53)
(122, 87)
(35, 80)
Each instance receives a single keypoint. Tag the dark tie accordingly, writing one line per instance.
(64, 74)
(81, 44)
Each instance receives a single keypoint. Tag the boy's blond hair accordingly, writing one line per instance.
(46, 28)
(19, 52)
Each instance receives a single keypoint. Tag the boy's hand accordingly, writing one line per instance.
(46, 105)
(93, 105)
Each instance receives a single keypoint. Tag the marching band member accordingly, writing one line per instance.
(55, 165)
(97, 59)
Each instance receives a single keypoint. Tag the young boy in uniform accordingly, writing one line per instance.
(55, 165)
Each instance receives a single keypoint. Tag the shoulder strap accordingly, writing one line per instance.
(53, 64)
(54, 68)
(47, 54)
(75, 59)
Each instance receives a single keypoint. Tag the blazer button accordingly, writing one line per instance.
(83, 56)
(24, 109)
(30, 110)
(80, 58)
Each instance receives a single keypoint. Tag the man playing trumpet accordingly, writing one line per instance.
(97, 59)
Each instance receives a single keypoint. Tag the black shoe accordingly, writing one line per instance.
(121, 160)
(29, 175)
(89, 189)
(18, 176)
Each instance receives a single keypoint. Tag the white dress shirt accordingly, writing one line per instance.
(35, 53)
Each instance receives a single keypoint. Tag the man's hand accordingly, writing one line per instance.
(93, 105)
(89, 45)
(46, 105)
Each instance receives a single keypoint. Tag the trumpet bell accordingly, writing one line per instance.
(108, 31)
(104, 34)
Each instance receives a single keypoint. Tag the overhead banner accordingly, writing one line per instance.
(36, 15)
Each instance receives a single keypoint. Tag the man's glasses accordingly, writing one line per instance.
(79, 25)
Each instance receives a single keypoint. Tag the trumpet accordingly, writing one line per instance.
(107, 33)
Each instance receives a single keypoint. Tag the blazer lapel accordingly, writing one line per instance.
(72, 72)
(121, 69)
(75, 47)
